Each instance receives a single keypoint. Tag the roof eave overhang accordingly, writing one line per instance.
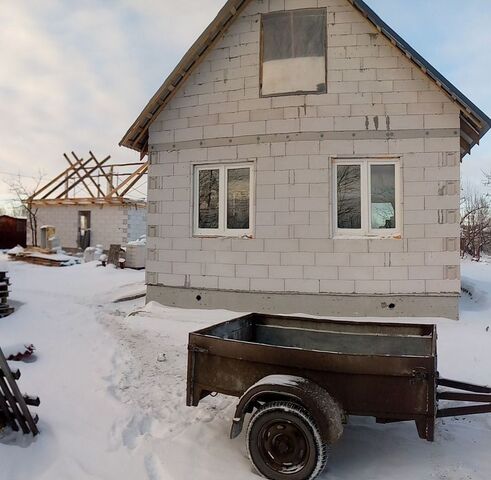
(470, 113)
(136, 137)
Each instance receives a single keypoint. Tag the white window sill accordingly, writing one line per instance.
(222, 235)
(368, 237)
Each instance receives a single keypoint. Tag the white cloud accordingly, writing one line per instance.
(75, 75)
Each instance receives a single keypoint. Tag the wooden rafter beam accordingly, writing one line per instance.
(89, 172)
(99, 190)
(77, 172)
(88, 201)
(135, 181)
(129, 181)
(61, 175)
(131, 164)
(108, 178)
(59, 185)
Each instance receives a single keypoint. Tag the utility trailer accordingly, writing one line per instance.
(302, 377)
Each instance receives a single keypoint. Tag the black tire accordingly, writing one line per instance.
(284, 443)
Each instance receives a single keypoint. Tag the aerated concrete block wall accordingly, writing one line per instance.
(378, 104)
(107, 224)
(137, 223)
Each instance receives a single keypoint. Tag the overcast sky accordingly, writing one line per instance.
(74, 75)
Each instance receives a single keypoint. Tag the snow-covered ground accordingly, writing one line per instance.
(112, 409)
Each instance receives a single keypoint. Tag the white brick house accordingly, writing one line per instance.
(304, 158)
(108, 224)
(92, 203)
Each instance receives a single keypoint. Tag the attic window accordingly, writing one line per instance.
(294, 52)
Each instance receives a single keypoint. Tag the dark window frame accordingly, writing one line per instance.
(321, 10)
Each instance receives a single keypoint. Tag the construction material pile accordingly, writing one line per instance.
(5, 309)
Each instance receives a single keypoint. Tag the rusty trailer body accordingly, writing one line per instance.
(383, 370)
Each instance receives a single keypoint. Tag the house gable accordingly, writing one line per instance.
(354, 32)
(381, 113)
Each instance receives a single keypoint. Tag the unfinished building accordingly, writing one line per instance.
(93, 203)
(304, 158)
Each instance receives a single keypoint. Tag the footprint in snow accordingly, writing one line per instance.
(153, 467)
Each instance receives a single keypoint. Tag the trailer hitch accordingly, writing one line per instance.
(466, 392)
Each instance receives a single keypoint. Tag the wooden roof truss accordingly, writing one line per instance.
(94, 181)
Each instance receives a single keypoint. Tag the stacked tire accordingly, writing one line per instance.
(5, 308)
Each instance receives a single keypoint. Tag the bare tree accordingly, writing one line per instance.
(475, 223)
(24, 192)
(487, 178)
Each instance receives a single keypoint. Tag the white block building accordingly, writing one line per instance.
(92, 203)
(304, 158)
(108, 224)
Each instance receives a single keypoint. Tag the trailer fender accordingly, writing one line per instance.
(326, 412)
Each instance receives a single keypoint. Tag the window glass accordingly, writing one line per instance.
(208, 198)
(309, 35)
(277, 32)
(383, 196)
(222, 200)
(349, 196)
(294, 52)
(238, 184)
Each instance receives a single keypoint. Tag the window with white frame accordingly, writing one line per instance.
(293, 52)
(367, 197)
(223, 200)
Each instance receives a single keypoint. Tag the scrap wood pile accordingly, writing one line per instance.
(5, 309)
(39, 256)
(14, 411)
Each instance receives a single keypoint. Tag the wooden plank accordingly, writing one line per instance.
(109, 180)
(130, 180)
(35, 194)
(91, 178)
(77, 171)
(130, 164)
(89, 172)
(24, 416)
(67, 189)
(32, 401)
(15, 373)
(7, 413)
(134, 182)
(12, 404)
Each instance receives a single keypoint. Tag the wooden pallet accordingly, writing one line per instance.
(13, 405)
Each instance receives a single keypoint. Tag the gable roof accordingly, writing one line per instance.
(474, 122)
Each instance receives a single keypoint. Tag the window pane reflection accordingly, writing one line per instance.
(208, 198)
(383, 196)
(349, 196)
(238, 184)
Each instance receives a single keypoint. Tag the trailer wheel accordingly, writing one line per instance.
(284, 442)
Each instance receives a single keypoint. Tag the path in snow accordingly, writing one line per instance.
(110, 410)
